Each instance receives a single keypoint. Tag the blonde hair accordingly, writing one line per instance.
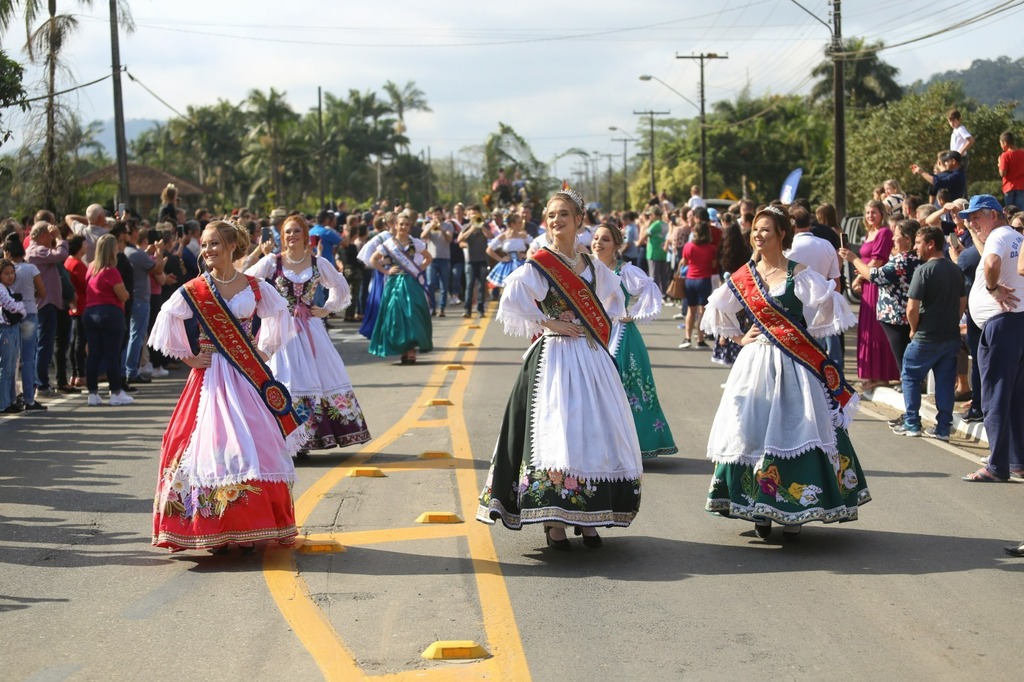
(105, 255)
(169, 194)
(232, 234)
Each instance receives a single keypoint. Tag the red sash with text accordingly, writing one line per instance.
(577, 293)
(789, 335)
(231, 341)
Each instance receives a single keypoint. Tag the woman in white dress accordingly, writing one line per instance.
(226, 469)
(509, 249)
(309, 365)
(779, 439)
(567, 453)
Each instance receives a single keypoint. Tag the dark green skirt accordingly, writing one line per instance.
(403, 321)
(519, 494)
(793, 491)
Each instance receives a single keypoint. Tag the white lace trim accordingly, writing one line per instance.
(839, 324)
(520, 326)
(754, 458)
(174, 352)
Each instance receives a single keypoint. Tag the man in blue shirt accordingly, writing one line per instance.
(952, 176)
(324, 237)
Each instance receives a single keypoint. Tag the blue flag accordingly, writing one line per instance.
(788, 192)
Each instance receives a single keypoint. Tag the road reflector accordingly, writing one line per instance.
(368, 472)
(438, 517)
(438, 402)
(454, 649)
(466, 344)
(435, 454)
(473, 326)
(453, 368)
(320, 547)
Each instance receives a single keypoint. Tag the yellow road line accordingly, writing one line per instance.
(308, 621)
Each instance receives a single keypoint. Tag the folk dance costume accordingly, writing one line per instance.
(309, 365)
(515, 249)
(376, 289)
(643, 302)
(568, 450)
(403, 321)
(225, 462)
(779, 439)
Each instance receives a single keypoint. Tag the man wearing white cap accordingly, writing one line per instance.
(995, 304)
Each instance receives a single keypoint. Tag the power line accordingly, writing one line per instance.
(59, 92)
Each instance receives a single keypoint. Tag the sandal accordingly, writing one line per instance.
(983, 476)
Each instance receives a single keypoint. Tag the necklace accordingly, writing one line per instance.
(294, 262)
(224, 281)
(574, 261)
(766, 273)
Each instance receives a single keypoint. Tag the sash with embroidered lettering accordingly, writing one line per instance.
(789, 335)
(226, 333)
(398, 257)
(577, 292)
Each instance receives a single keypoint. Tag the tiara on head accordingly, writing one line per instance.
(771, 208)
(572, 195)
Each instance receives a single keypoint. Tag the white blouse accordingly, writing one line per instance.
(339, 296)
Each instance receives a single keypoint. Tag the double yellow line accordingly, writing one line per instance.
(507, 660)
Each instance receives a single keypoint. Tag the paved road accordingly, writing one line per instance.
(917, 588)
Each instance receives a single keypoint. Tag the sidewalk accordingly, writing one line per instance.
(894, 399)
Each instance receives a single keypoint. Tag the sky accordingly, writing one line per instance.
(559, 73)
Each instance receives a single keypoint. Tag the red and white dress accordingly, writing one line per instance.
(226, 470)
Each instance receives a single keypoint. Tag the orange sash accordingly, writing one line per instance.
(580, 296)
(788, 335)
(231, 341)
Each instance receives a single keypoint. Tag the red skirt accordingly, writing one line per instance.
(201, 517)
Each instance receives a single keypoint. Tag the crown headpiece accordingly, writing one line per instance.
(572, 195)
(771, 208)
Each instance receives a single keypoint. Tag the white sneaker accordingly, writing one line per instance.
(679, 316)
(684, 344)
(159, 373)
(95, 400)
(121, 398)
(146, 368)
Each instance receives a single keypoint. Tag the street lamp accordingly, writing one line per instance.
(649, 77)
(625, 179)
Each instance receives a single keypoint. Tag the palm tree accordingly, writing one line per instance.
(408, 98)
(867, 80)
(271, 115)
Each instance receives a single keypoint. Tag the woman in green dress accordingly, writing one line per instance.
(643, 302)
(779, 439)
(403, 322)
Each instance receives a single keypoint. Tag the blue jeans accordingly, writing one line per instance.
(136, 336)
(476, 274)
(29, 351)
(10, 349)
(920, 358)
(457, 282)
(438, 274)
(1015, 197)
(834, 348)
(104, 329)
(1001, 358)
(47, 337)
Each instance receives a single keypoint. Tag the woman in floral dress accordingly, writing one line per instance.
(643, 303)
(310, 365)
(567, 453)
(779, 439)
(876, 365)
(226, 469)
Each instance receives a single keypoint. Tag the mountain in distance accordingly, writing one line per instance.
(132, 129)
(989, 81)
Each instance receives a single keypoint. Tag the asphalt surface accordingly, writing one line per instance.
(917, 588)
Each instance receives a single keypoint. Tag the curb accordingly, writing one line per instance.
(894, 399)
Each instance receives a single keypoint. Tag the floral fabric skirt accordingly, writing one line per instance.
(332, 421)
(638, 379)
(813, 486)
(519, 494)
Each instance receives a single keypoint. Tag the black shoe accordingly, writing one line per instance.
(222, 550)
(763, 530)
(248, 549)
(1015, 550)
(13, 408)
(69, 389)
(558, 545)
(35, 407)
(128, 388)
(896, 421)
(139, 380)
(592, 541)
(972, 417)
(302, 454)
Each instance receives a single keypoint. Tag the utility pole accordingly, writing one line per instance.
(652, 114)
(703, 127)
(625, 179)
(320, 131)
(839, 109)
(119, 136)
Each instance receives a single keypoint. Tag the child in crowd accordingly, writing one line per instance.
(13, 310)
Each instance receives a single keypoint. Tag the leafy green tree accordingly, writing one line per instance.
(11, 90)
